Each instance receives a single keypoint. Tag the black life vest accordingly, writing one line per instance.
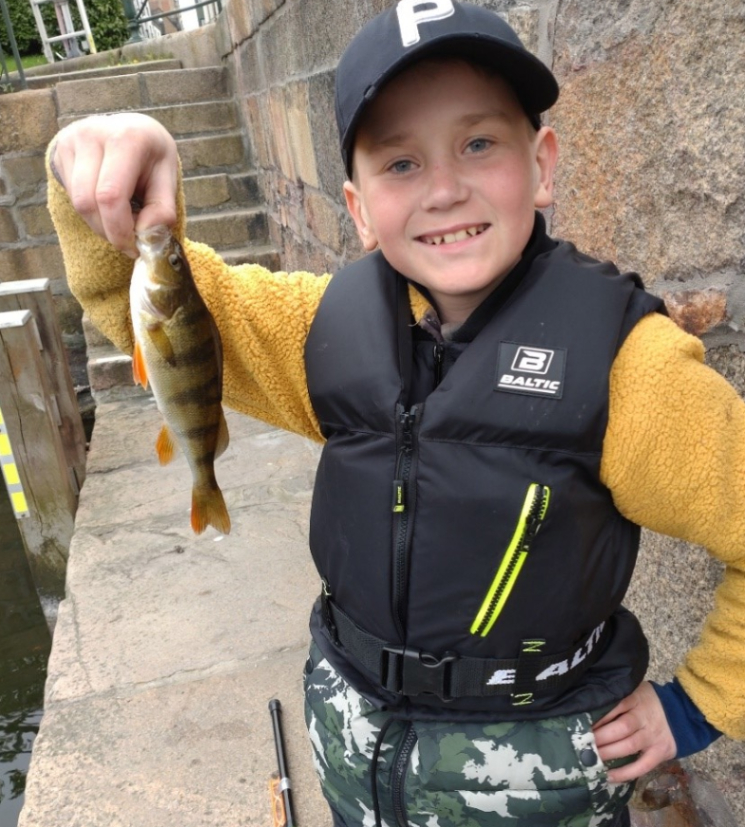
(476, 521)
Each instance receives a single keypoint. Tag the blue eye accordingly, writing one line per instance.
(479, 144)
(400, 167)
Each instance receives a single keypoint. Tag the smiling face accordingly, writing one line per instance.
(447, 175)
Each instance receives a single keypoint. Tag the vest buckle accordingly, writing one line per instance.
(413, 672)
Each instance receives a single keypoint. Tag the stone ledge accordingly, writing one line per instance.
(29, 121)
(32, 262)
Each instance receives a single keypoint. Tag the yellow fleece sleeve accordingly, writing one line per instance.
(263, 317)
(674, 460)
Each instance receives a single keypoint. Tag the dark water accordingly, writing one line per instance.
(24, 650)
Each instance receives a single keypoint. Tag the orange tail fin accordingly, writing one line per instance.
(208, 508)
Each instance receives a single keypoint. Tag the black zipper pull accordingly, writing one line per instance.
(406, 424)
(398, 500)
(537, 513)
(404, 502)
(399, 497)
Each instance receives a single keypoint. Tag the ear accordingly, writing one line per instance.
(546, 152)
(356, 207)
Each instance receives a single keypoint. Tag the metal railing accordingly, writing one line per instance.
(142, 21)
(5, 77)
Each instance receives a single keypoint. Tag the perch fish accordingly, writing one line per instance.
(178, 353)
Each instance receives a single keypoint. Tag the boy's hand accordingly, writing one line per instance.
(107, 161)
(637, 725)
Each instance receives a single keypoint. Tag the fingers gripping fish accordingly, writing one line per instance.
(178, 352)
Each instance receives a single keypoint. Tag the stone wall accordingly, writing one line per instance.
(28, 245)
(651, 121)
(652, 116)
(283, 56)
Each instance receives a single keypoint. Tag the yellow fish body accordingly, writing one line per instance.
(178, 353)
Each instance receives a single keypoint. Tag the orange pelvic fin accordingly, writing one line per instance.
(139, 371)
(165, 445)
(208, 508)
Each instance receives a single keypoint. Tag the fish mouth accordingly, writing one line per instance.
(435, 239)
(153, 241)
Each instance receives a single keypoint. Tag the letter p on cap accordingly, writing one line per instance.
(413, 12)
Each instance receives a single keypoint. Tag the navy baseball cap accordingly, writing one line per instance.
(414, 29)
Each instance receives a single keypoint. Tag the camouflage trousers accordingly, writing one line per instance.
(375, 768)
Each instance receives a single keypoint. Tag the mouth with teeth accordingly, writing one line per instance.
(449, 238)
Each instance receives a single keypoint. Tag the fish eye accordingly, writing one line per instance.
(175, 260)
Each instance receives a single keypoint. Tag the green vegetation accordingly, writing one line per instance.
(26, 61)
(24, 27)
(108, 23)
(106, 17)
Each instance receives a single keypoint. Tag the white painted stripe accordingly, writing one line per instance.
(9, 288)
(15, 318)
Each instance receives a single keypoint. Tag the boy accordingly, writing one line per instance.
(492, 444)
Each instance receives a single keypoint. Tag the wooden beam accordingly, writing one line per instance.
(36, 295)
(34, 464)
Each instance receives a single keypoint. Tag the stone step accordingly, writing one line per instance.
(216, 153)
(184, 119)
(192, 118)
(109, 370)
(110, 374)
(207, 83)
(56, 72)
(221, 191)
(264, 256)
(244, 188)
(229, 228)
(138, 91)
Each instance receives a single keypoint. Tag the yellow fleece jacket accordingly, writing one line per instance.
(673, 455)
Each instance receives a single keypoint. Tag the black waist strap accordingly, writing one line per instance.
(412, 672)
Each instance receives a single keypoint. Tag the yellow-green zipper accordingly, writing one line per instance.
(531, 517)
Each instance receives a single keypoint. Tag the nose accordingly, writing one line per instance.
(444, 186)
